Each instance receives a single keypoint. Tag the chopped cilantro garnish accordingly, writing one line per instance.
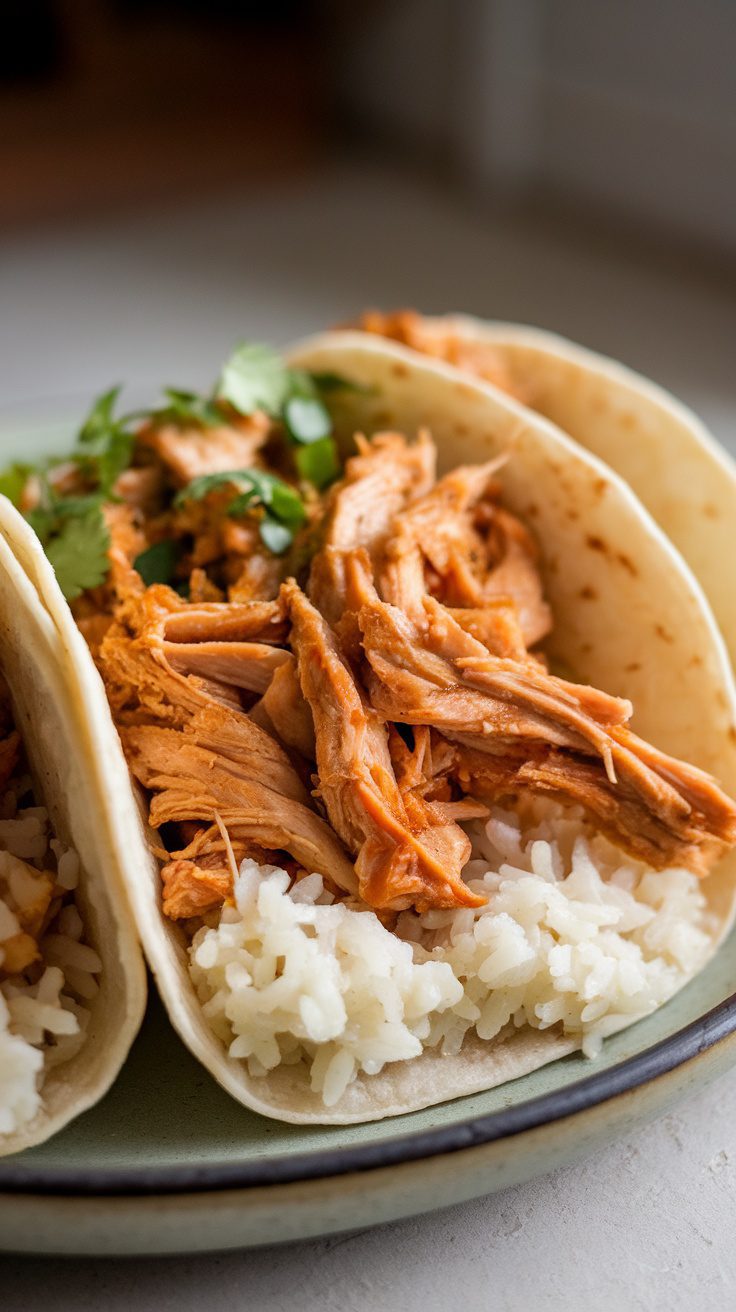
(306, 419)
(254, 378)
(188, 408)
(277, 537)
(157, 564)
(253, 487)
(318, 462)
(13, 480)
(105, 444)
(331, 382)
(99, 421)
(72, 528)
(78, 553)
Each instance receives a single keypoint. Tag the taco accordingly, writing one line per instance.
(682, 475)
(72, 983)
(372, 635)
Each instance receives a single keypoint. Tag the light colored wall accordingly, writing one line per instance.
(631, 103)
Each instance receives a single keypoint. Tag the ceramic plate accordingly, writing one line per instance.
(167, 1162)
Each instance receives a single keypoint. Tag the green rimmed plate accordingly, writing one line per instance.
(168, 1163)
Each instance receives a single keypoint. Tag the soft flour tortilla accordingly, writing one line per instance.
(630, 617)
(51, 719)
(686, 480)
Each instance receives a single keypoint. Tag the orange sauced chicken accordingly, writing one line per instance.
(406, 856)
(191, 743)
(335, 674)
(420, 614)
(480, 358)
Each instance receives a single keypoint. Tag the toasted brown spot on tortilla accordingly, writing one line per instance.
(462, 430)
(663, 633)
(732, 732)
(628, 420)
(596, 544)
(572, 515)
(533, 509)
(600, 486)
(632, 667)
(586, 647)
(696, 660)
(627, 564)
(710, 511)
(588, 594)
(399, 370)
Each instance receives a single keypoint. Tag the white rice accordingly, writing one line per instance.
(42, 1016)
(574, 935)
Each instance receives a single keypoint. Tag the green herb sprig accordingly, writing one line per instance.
(283, 509)
(73, 529)
(255, 378)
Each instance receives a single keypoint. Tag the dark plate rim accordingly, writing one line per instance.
(707, 1032)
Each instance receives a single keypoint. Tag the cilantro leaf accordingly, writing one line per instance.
(99, 421)
(318, 463)
(282, 505)
(306, 419)
(105, 443)
(284, 502)
(78, 553)
(114, 459)
(13, 480)
(43, 522)
(157, 563)
(254, 378)
(331, 382)
(189, 408)
(201, 486)
(72, 529)
(74, 507)
(252, 485)
(277, 537)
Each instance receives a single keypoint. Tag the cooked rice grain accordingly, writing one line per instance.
(574, 935)
(42, 1021)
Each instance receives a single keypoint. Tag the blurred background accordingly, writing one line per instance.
(179, 174)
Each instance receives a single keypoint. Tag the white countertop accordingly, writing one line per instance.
(649, 1222)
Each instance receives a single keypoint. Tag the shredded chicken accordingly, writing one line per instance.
(252, 621)
(385, 476)
(437, 674)
(351, 727)
(190, 743)
(479, 358)
(425, 771)
(405, 856)
(288, 712)
(220, 765)
(165, 659)
(189, 452)
(457, 543)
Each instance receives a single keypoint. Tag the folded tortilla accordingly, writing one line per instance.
(630, 617)
(50, 709)
(681, 474)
